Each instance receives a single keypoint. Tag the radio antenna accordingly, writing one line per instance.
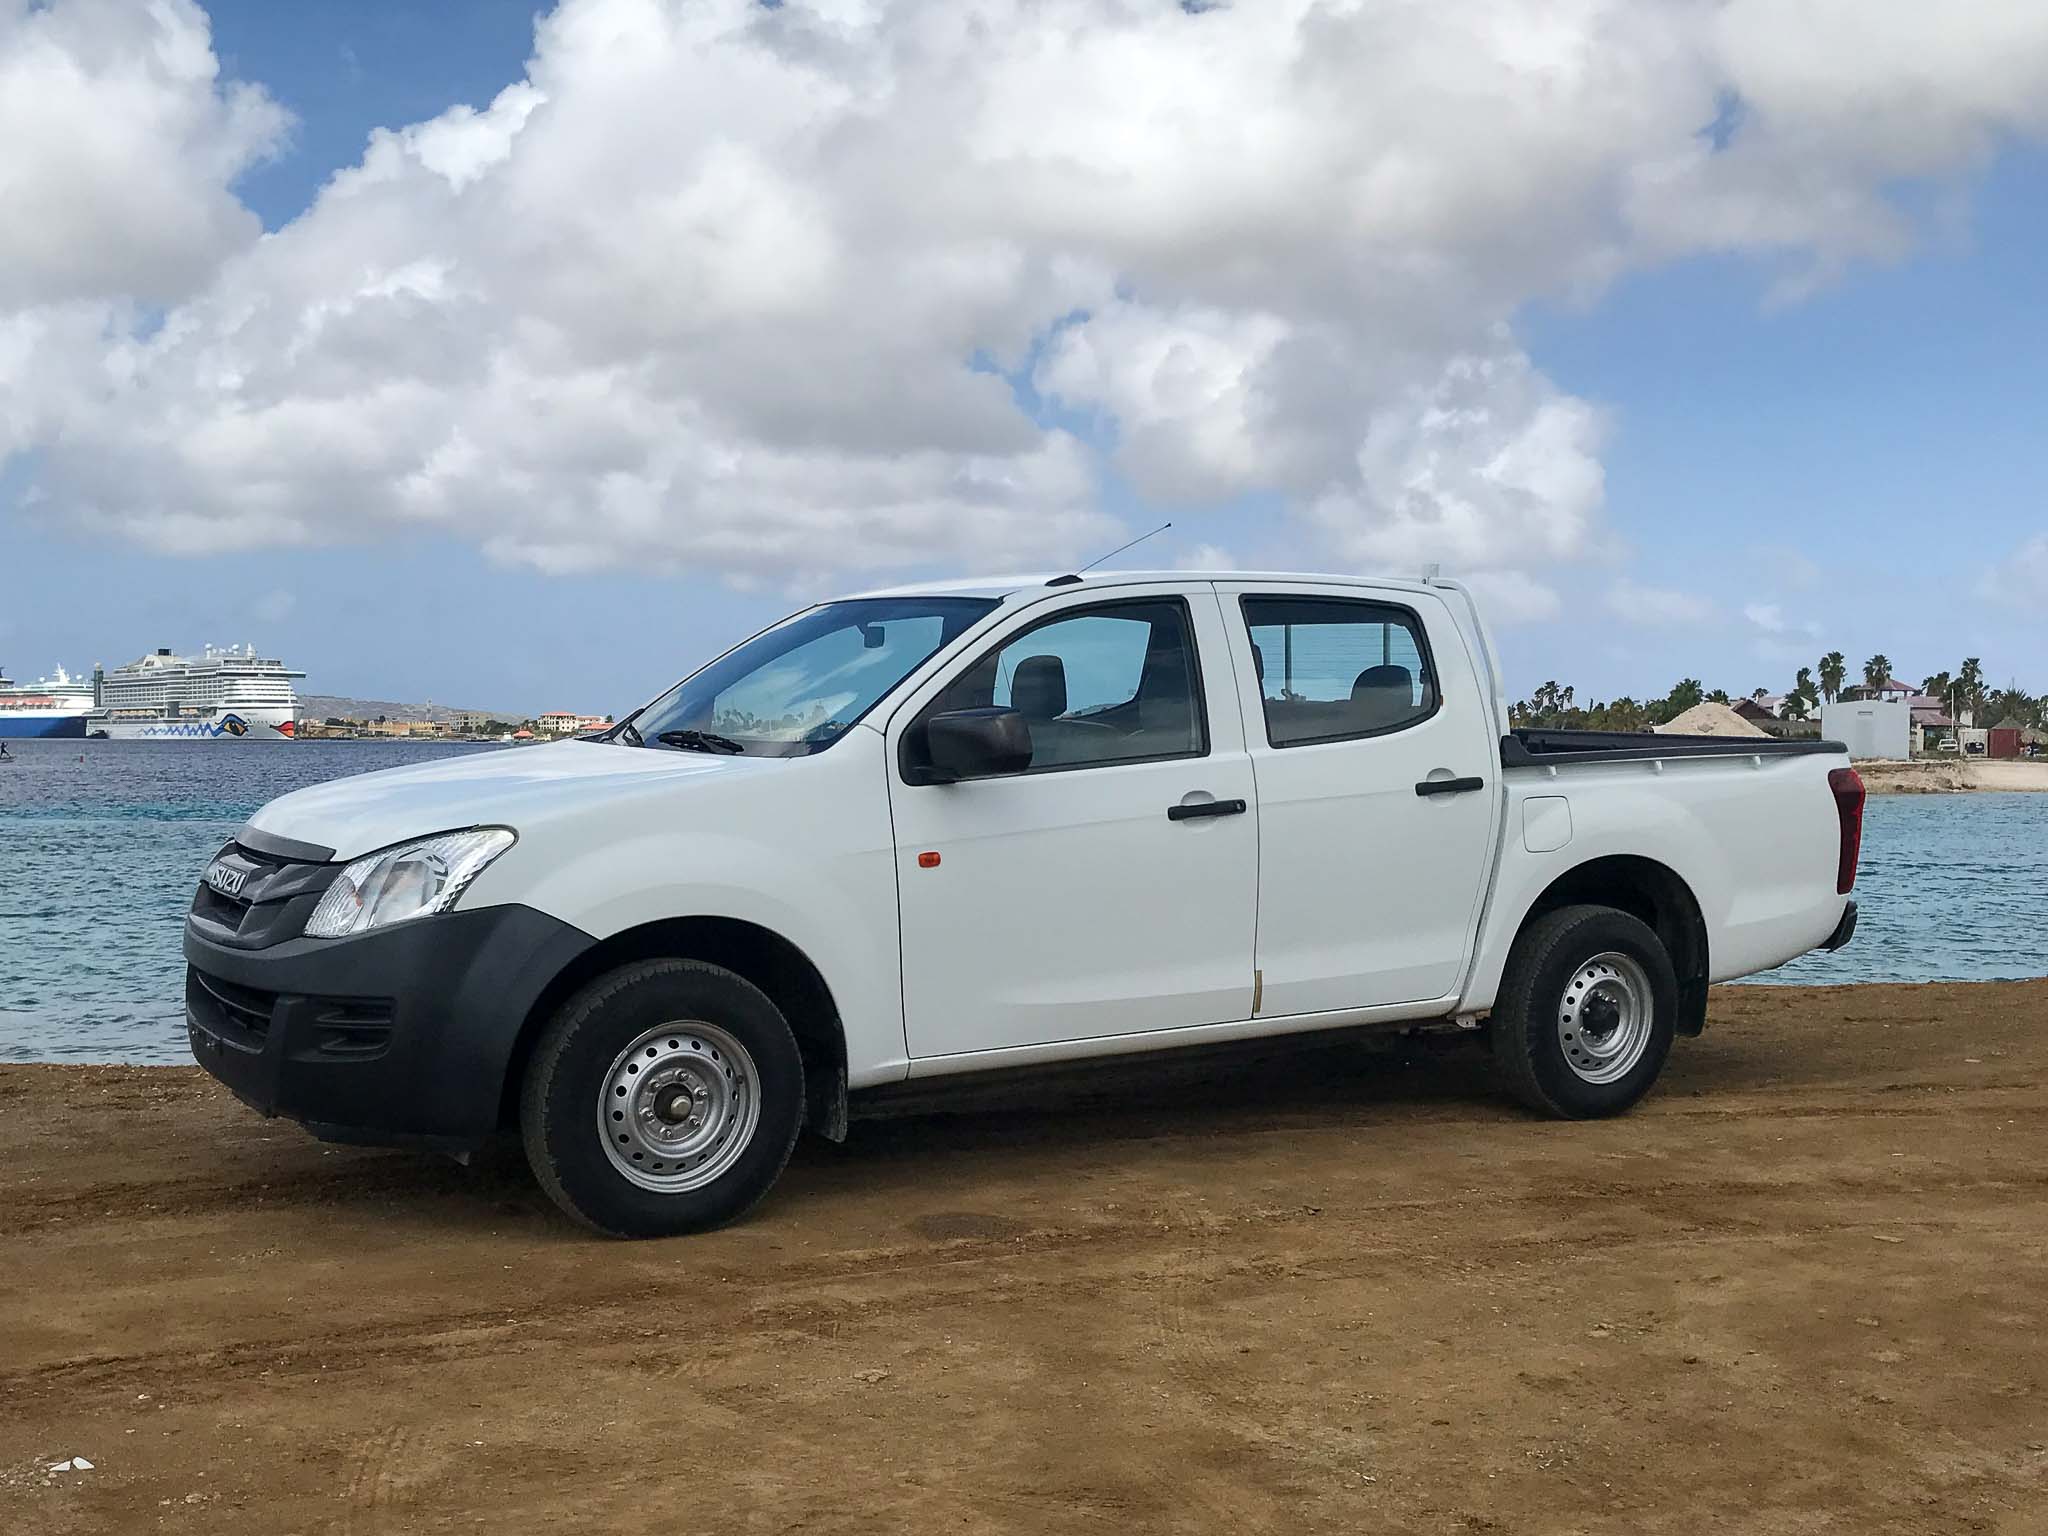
(1073, 576)
(1141, 538)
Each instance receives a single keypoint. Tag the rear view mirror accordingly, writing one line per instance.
(975, 743)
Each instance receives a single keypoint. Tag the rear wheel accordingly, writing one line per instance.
(1587, 1010)
(664, 1098)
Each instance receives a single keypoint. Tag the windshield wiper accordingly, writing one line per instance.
(699, 741)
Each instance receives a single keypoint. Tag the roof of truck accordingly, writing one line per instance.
(1000, 587)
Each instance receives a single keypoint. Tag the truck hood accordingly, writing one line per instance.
(511, 787)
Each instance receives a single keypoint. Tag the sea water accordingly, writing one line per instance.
(102, 845)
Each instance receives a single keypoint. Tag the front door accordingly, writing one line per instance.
(1098, 891)
(1378, 793)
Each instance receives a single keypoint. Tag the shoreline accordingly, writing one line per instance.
(1929, 776)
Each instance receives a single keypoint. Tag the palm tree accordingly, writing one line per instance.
(2010, 704)
(1832, 670)
(1970, 682)
(1877, 671)
(1955, 698)
(1800, 701)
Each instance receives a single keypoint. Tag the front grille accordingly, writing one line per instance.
(274, 900)
(238, 1014)
(215, 908)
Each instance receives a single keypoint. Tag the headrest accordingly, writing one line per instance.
(1386, 677)
(1039, 690)
(1163, 696)
(1258, 663)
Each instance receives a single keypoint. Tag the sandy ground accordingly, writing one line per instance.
(1804, 1288)
(1929, 776)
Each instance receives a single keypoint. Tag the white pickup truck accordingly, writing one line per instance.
(955, 828)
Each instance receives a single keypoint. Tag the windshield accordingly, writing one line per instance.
(792, 690)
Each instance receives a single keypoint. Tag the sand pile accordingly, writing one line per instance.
(1711, 719)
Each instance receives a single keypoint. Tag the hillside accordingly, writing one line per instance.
(320, 706)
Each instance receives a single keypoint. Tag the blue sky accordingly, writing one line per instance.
(1850, 465)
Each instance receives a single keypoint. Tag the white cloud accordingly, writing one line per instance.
(273, 605)
(1658, 607)
(1511, 597)
(1775, 637)
(1207, 557)
(1182, 389)
(763, 290)
(2022, 576)
(1486, 466)
(1787, 566)
(118, 145)
(1770, 618)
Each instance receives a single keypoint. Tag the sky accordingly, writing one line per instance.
(523, 360)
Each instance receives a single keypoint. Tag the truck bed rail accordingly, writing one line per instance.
(1537, 749)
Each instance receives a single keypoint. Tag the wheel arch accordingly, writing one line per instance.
(791, 980)
(1657, 895)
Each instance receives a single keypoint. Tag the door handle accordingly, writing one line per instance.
(1185, 812)
(1449, 786)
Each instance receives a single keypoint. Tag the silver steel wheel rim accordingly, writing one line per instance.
(1604, 1018)
(678, 1106)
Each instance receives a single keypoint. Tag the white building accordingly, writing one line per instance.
(1870, 727)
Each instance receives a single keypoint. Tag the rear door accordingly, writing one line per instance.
(1378, 792)
(1110, 888)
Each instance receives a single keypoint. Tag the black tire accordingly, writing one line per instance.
(576, 1057)
(1551, 959)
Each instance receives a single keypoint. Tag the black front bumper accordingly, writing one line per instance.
(395, 1037)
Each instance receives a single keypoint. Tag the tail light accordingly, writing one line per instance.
(1847, 786)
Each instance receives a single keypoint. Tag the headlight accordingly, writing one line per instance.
(411, 880)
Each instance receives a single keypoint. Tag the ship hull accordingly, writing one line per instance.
(238, 724)
(42, 727)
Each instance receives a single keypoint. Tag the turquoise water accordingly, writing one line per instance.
(101, 844)
(1950, 888)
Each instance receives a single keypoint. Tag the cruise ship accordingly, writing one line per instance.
(56, 706)
(219, 695)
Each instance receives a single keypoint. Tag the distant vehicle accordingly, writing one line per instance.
(1948, 744)
(944, 830)
(1973, 749)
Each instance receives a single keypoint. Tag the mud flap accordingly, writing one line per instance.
(825, 1103)
(1692, 1006)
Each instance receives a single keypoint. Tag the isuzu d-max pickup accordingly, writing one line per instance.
(948, 829)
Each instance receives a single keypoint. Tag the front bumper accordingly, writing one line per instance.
(399, 1036)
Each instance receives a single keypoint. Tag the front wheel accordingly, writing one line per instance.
(1587, 1011)
(664, 1098)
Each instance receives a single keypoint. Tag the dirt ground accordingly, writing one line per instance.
(1804, 1288)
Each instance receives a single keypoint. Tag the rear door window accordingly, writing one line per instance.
(1332, 669)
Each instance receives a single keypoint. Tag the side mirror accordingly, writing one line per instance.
(975, 743)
